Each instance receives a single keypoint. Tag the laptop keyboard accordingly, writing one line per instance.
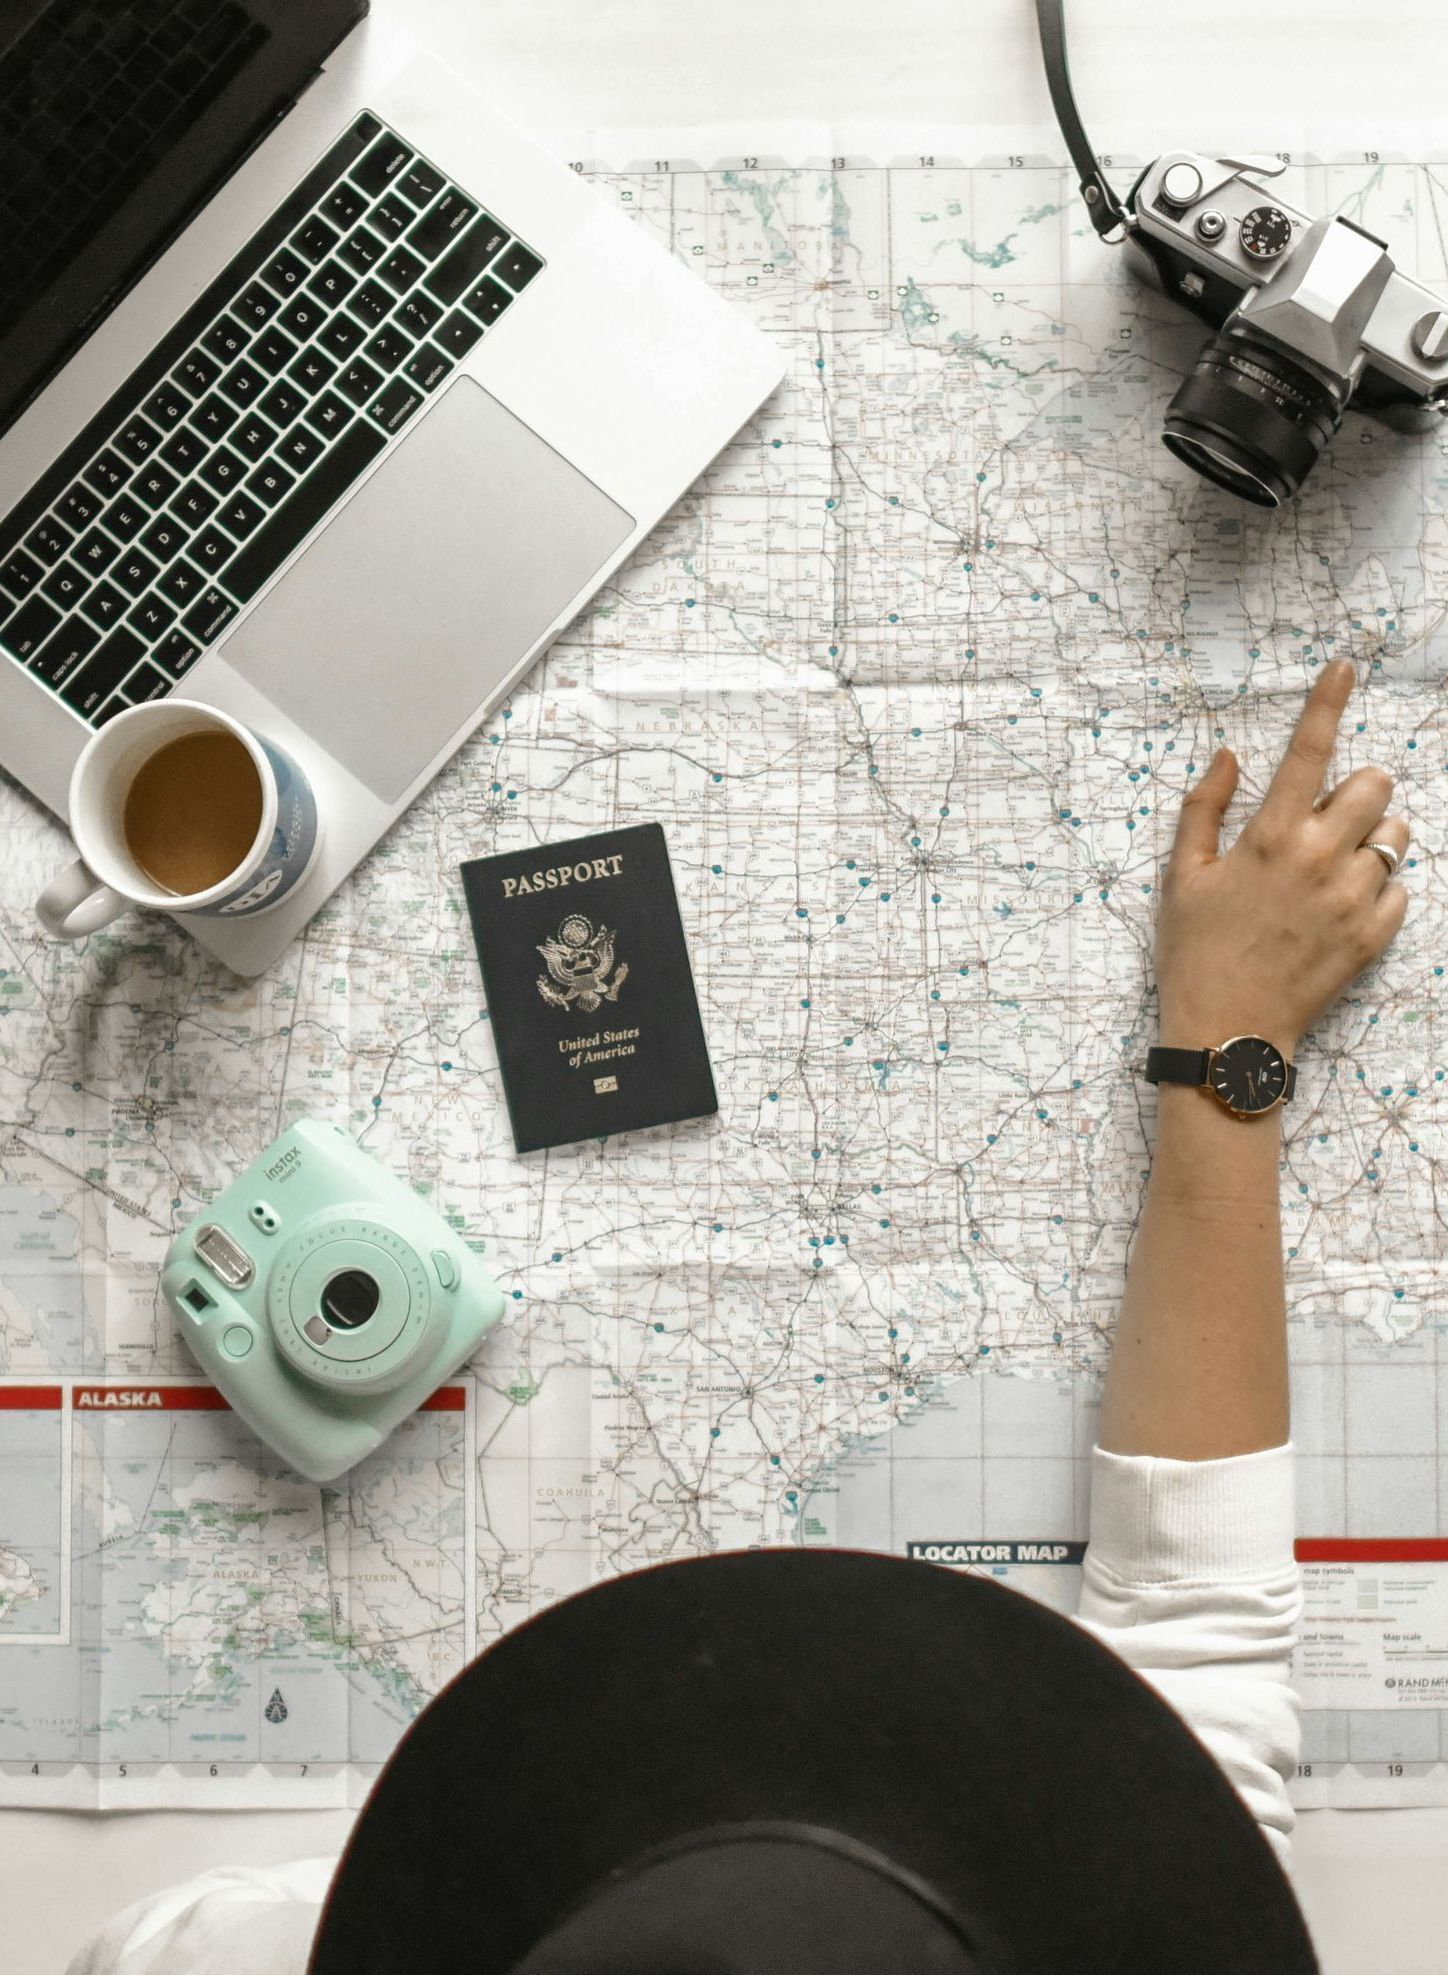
(325, 335)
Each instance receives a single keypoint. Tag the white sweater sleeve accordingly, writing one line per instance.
(1190, 1577)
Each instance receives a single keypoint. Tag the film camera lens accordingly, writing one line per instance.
(349, 1299)
(1251, 419)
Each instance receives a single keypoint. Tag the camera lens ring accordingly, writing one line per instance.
(349, 1299)
(1251, 419)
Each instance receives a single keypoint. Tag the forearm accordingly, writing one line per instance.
(1199, 1366)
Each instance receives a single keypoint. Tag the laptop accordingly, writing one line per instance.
(326, 397)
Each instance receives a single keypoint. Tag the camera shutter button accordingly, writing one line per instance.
(1181, 185)
(447, 1273)
(1211, 224)
(236, 1341)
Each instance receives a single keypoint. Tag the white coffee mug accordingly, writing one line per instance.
(106, 878)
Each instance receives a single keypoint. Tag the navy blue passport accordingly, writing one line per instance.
(589, 988)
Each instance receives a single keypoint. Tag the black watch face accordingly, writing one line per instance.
(1248, 1074)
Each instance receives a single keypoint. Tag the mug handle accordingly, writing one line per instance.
(74, 904)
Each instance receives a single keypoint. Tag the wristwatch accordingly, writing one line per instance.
(1246, 1074)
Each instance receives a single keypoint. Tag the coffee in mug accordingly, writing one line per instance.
(180, 807)
(193, 810)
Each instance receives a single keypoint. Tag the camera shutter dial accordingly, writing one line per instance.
(1265, 233)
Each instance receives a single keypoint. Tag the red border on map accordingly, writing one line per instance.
(1372, 1549)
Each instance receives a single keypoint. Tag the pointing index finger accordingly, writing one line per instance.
(1298, 781)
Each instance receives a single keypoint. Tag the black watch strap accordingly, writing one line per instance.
(1189, 1066)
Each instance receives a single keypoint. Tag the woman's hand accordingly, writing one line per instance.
(1262, 940)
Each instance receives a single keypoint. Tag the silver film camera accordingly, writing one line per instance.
(1310, 315)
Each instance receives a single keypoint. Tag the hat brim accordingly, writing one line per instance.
(1055, 1805)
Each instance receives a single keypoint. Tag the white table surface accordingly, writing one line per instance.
(1372, 1881)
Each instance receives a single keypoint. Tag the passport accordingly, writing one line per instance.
(589, 988)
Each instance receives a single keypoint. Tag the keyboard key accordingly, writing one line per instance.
(341, 335)
(372, 302)
(210, 549)
(20, 574)
(428, 368)
(390, 216)
(151, 616)
(134, 572)
(303, 317)
(48, 540)
(193, 504)
(518, 266)
(281, 403)
(106, 605)
(270, 482)
(289, 524)
(181, 583)
(361, 250)
(240, 516)
(457, 271)
(224, 470)
(328, 414)
(394, 406)
(209, 615)
(214, 417)
(418, 314)
(422, 184)
(59, 656)
(359, 380)
(197, 372)
(388, 156)
(488, 300)
(76, 508)
(225, 340)
(441, 224)
(176, 654)
(286, 273)
(147, 683)
(138, 440)
(95, 551)
(166, 406)
(125, 518)
(163, 538)
(65, 585)
(107, 471)
(98, 678)
(312, 369)
(256, 305)
(299, 448)
(400, 269)
(345, 205)
(388, 347)
(273, 351)
(243, 383)
(458, 334)
(154, 484)
(253, 436)
(315, 240)
(332, 284)
(28, 629)
(109, 711)
(183, 449)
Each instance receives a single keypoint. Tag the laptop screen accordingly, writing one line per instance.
(118, 119)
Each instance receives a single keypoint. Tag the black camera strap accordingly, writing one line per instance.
(1106, 210)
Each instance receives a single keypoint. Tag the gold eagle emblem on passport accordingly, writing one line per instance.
(580, 961)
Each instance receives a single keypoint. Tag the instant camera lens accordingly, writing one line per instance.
(349, 1299)
(1251, 419)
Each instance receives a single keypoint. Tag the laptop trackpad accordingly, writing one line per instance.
(394, 628)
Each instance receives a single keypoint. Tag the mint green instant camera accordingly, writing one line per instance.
(325, 1299)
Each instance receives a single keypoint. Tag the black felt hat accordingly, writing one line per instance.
(805, 1762)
